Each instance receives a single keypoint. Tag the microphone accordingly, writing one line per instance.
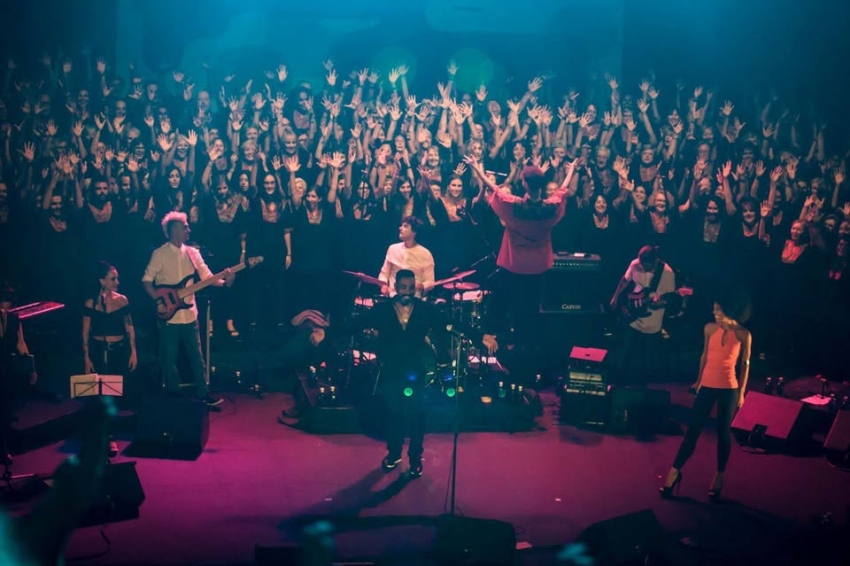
(456, 332)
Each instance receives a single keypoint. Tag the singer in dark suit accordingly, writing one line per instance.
(401, 328)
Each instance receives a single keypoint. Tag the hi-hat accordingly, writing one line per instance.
(366, 278)
(456, 277)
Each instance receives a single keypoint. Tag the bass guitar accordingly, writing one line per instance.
(170, 298)
(638, 304)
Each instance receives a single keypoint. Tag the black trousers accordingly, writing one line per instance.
(638, 356)
(171, 336)
(726, 400)
(110, 358)
(406, 416)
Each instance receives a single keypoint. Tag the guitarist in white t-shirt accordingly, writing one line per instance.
(644, 292)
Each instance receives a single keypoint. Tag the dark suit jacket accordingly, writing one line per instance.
(403, 353)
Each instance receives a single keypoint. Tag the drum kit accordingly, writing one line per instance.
(462, 301)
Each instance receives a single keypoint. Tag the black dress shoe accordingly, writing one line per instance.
(415, 469)
(390, 462)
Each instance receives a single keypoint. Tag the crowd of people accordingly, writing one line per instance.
(316, 179)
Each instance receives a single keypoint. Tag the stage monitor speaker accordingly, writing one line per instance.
(119, 497)
(778, 419)
(171, 428)
(640, 410)
(573, 286)
(636, 538)
(464, 540)
(838, 439)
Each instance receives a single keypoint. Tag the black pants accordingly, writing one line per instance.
(110, 358)
(638, 356)
(405, 417)
(726, 400)
(523, 300)
(171, 336)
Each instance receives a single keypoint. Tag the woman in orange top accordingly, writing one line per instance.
(723, 373)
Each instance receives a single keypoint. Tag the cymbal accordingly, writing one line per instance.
(366, 278)
(461, 286)
(456, 277)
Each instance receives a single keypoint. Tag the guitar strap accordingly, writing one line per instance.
(189, 253)
(656, 278)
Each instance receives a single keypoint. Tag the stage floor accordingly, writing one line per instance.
(257, 477)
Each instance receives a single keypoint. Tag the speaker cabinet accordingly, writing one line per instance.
(838, 439)
(778, 419)
(636, 538)
(464, 540)
(119, 497)
(171, 428)
(573, 286)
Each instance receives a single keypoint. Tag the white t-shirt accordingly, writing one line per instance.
(642, 279)
(169, 265)
(417, 259)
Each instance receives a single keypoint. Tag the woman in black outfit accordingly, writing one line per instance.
(109, 339)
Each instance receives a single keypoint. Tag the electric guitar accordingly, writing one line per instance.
(638, 304)
(170, 298)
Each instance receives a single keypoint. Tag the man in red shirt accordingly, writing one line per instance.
(526, 251)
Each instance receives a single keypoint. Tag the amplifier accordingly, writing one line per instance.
(576, 262)
(573, 285)
(585, 380)
(581, 406)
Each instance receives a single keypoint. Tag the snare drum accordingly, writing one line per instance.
(470, 307)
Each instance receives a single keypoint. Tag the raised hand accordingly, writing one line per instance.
(452, 68)
(481, 93)
(535, 84)
(612, 81)
(29, 151)
(164, 142)
(652, 93)
(727, 108)
(291, 163)
(336, 160)
(332, 77)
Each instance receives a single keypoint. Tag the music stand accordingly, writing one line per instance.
(91, 384)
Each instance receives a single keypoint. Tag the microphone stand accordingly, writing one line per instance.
(457, 346)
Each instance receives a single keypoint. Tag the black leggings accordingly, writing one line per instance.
(726, 403)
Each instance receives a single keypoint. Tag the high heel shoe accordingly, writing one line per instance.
(666, 491)
(715, 489)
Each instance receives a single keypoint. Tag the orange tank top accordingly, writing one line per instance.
(720, 360)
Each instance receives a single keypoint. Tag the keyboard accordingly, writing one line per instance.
(36, 309)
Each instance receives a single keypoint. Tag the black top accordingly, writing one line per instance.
(107, 323)
(404, 353)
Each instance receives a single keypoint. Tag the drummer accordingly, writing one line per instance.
(408, 254)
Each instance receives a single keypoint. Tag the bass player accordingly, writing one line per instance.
(638, 349)
(170, 264)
